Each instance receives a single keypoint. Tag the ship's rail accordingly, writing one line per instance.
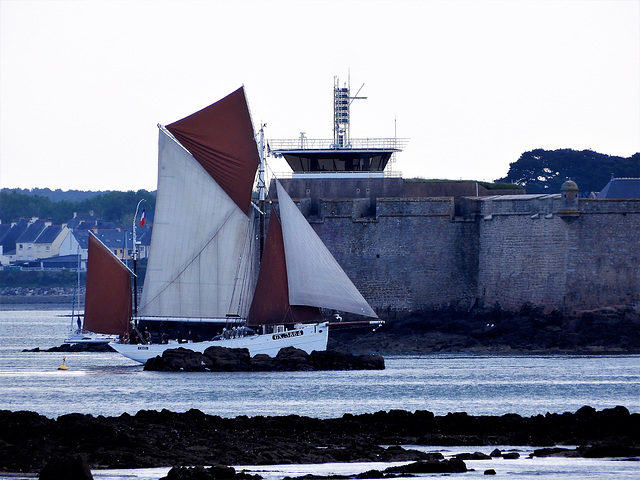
(385, 174)
(305, 143)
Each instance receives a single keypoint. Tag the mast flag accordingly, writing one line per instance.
(143, 217)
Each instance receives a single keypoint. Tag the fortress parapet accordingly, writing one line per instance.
(410, 254)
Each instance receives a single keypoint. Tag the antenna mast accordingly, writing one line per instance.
(341, 113)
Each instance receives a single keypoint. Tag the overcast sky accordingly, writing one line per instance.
(472, 84)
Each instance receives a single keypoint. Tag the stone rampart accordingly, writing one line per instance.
(408, 255)
(603, 255)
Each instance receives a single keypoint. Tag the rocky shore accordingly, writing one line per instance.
(220, 359)
(44, 297)
(434, 464)
(528, 330)
(29, 441)
(74, 347)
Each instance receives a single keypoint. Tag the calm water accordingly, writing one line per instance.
(108, 384)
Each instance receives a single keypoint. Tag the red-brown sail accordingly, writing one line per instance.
(108, 299)
(221, 139)
(271, 298)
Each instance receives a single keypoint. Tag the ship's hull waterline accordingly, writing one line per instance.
(307, 337)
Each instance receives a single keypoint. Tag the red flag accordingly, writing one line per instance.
(142, 217)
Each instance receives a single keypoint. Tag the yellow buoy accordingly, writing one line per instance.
(63, 366)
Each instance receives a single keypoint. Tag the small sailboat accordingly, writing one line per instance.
(202, 273)
(108, 301)
(77, 331)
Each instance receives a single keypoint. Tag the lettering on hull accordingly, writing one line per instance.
(282, 336)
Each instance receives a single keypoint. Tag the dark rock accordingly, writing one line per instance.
(221, 359)
(611, 450)
(527, 329)
(431, 466)
(176, 360)
(370, 474)
(153, 438)
(472, 456)
(511, 455)
(74, 348)
(217, 472)
(364, 475)
(586, 412)
(72, 467)
(339, 360)
(399, 454)
(496, 453)
(262, 363)
(292, 354)
(491, 471)
(555, 452)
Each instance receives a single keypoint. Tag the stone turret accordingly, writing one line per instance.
(569, 204)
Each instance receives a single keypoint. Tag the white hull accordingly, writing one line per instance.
(306, 337)
(89, 337)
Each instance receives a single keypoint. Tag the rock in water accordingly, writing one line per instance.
(70, 467)
(217, 472)
(453, 465)
(221, 359)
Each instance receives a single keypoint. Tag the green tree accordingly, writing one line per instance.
(544, 171)
(14, 205)
(110, 206)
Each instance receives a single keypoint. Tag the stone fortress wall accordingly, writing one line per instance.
(411, 254)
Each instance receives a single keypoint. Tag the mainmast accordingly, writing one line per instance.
(135, 262)
(261, 186)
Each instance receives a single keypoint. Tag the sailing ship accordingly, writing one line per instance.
(108, 303)
(202, 273)
(77, 331)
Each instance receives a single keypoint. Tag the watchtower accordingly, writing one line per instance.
(340, 156)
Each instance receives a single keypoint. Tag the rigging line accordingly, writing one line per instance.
(195, 257)
(248, 283)
(245, 256)
(273, 176)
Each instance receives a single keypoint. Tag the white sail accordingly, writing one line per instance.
(314, 277)
(201, 259)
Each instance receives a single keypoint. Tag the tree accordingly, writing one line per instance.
(110, 206)
(544, 171)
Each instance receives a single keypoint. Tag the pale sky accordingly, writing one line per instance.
(471, 84)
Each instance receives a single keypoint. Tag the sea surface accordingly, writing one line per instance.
(479, 384)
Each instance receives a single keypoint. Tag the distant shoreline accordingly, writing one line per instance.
(37, 302)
